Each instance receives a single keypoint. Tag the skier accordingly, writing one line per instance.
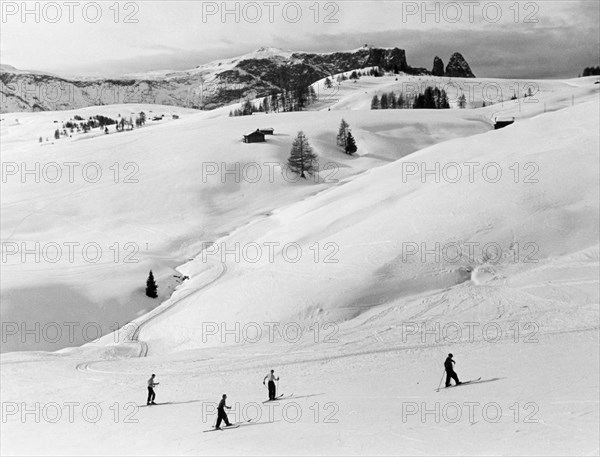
(271, 377)
(450, 373)
(222, 415)
(151, 393)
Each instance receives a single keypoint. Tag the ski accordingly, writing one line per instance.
(222, 428)
(278, 397)
(462, 383)
(226, 427)
(155, 404)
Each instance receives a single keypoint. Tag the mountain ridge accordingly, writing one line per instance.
(207, 86)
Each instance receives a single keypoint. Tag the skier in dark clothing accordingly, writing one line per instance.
(271, 377)
(151, 393)
(450, 373)
(221, 414)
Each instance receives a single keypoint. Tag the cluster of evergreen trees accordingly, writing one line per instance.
(296, 98)
(591, 71)
(96, 121)
(104, 121)
(280, 102)
(246, 109)
(431, 98)
(289, 100)
(355, 75)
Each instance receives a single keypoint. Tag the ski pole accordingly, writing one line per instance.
(440, 386)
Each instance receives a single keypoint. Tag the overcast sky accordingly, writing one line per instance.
(544, 39)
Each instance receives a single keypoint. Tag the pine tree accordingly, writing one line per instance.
(400, 101)
(429, 98)
(328, 84)
(274, 101)
(265, 105)
(56, 134)
(312, 95)
(341, 137)
(375, 102)
(151, 287)
(419, 102)
(302, 158)
(462, 101)
(247, 108)
(350, 144)
(444, 103)
(384, 101)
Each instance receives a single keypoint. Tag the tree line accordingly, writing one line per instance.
(296, 98)
(430, 98)
(591, 71)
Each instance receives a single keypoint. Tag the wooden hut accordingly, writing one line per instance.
(501, 123)
(254, 137)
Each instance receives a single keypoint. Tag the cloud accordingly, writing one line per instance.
(560, 44)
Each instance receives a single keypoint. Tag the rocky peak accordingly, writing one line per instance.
(458, 67)
(438, 67)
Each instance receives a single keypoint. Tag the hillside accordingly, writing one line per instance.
(171, 187)
(379, 308)
(182, 198)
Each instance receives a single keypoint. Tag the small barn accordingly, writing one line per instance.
(267, 131)
(501, 123)
(254, 137)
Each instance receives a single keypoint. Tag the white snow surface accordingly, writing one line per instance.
(350, 298)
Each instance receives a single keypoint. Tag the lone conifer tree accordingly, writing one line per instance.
(341, 137)
(151, 287)
(302, 158)
(350, 144)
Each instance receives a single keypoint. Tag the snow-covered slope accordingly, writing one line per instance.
(371, 234)
(164, 191)
(379, 308)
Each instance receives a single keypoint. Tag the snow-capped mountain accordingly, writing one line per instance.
(207, 86)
